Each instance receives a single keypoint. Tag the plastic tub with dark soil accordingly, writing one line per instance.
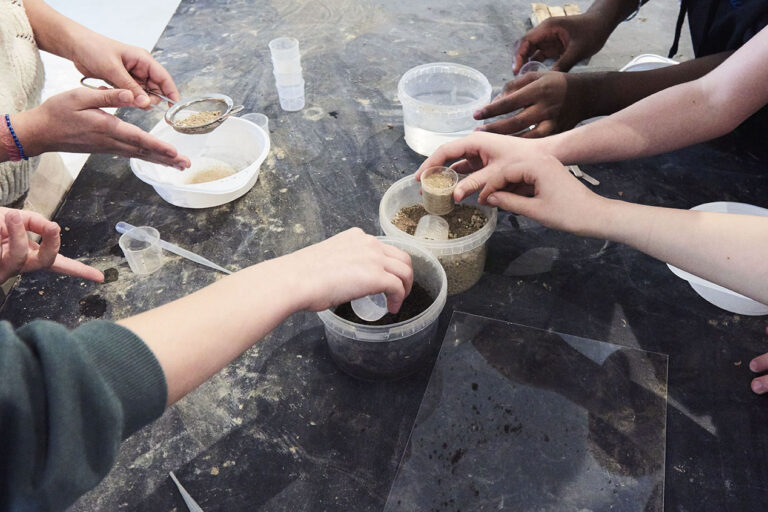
(396, 345)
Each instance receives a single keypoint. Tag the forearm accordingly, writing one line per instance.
(726, 249)
(54, 32)
(613, 12)
(194, 337)
(676, 117)
(610, 92)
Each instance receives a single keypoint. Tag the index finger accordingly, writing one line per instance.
(451, 151)
(70, 267)
(160, 78)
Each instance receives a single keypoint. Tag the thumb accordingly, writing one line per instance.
(511, 202)
(567, 60)
(123, 80)
(104, 98)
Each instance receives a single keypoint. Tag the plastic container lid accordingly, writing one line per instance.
(432, 227)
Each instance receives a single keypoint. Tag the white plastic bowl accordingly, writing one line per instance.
(713, 293)
(238, 143)
(648, 61)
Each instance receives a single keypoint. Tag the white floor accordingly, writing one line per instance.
(139, 22)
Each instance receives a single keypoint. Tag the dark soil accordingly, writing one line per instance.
(93, 306)
(416, 302)
(110, 275)
(462, 221)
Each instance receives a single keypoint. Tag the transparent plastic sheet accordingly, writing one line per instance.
(516, 418)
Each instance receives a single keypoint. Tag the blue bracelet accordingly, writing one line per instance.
(15, 138)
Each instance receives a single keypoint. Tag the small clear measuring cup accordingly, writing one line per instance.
(371, 307)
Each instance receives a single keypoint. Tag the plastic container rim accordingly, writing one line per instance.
(404, 97)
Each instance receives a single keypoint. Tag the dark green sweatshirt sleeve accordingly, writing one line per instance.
(67, 400)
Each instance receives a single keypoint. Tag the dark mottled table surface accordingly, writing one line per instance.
(282, 429)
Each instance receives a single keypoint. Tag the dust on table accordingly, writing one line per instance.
(462, 221)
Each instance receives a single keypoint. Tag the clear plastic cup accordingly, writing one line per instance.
(371, 307)
(141, 246)
(284, 48)
(291, 96)
(287, 79)
(432, 227)
(532, 66)
(287, 66)
(437, 185)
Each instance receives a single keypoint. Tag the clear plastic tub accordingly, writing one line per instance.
(462, 258)
(393, 351)
(291, 96)
(438, 102)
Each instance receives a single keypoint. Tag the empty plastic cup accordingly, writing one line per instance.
(432, 227)
(532, 66)
(286, 57)
(291, 96)
(371, 307)
(141, 247)
(260, 120)
(437, 184)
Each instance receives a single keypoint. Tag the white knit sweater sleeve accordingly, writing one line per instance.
(21, 81)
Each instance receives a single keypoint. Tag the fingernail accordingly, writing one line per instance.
(125, 96)
(478, 114)
(753, 366)
(180, 167)
(492, 200)
(757, 386)
(142, 99)
(480, 128)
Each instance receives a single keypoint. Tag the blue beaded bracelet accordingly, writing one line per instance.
(15, 138)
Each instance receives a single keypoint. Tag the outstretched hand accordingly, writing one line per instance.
(569, 39)
(19, 254)
(552, 101)
(351, 265)
(73, 121)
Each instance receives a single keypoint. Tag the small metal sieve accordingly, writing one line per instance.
(194, 117)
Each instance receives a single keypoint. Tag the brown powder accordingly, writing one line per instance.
(213, 173)
(198, 118)
(438, 180)
(465, 269)
(462, 221)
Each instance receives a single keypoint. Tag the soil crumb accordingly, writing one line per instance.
(462, 221)
(110, 275)
(416, 302)
(93, 306)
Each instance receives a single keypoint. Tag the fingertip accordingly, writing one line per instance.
(754, 366)
(758, 386)
(481, 128)
(143, 101)
(493, 200)
(14, 217)
(125, 97)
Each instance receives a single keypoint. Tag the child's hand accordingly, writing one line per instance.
(348, 266)
(19, 254)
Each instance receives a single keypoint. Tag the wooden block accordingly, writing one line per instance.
(571, 9)
(540, 13)
(556, 10)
